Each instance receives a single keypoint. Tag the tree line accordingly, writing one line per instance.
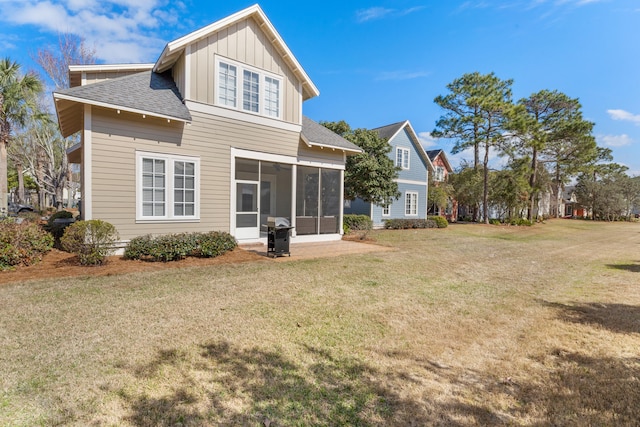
(33, 153)
(547, 144)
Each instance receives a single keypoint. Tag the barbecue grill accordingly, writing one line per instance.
(278, 236)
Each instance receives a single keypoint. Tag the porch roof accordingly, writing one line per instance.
(315, 135)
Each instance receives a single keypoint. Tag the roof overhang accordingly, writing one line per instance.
(74, 153)
(174, 49)
(70, 112)
(311, 144)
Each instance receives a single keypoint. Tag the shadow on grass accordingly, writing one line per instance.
(224, 385)
(589, 391)
(619, 318)
(634, 268)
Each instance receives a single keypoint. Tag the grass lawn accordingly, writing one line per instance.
(469, 325)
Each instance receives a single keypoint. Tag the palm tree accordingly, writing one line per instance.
(17, 99)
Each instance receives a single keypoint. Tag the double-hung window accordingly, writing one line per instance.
(402, 157)
(249, 89)
(227, 84)
(439, 175)
(167, 187)
(386, 210)
(411, 203)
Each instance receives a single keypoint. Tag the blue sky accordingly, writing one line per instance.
(379, 62)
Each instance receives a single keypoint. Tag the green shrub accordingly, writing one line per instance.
(91, 240)
(440, 221)
(172, 247)
(520, 221)
(358, 222)
(403, 224)
(22, 244)
(495, 221)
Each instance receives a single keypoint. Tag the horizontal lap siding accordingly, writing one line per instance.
(116, 137)
(417, 169)
(244, 42)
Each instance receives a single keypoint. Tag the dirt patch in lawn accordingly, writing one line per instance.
(57, 264)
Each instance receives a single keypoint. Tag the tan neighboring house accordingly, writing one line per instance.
(209, 137)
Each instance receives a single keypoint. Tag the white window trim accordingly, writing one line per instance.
(169, 206)
(436, 176)
(386, 210)
(240, 68)
(407, 195)
(405, 155)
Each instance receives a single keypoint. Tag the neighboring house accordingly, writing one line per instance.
(407, 154)
(209, 137)
(571, 208)
(442, 168)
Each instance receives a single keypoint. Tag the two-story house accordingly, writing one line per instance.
(442, 168)
(209, 137)
(414, 166)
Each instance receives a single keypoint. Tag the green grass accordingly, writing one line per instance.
(469, 325)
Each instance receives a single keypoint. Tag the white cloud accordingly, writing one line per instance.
(427, 140)
(614, 140)
(121, 30)
(624, 115)
(400, 75)
(377, 12)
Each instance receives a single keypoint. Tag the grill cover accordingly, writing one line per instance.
(278, 221)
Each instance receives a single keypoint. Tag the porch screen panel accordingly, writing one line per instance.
(330, 201)
(307, 198)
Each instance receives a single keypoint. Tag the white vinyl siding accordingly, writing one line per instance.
(402, 157)
(411, 203)
(167, 187)
(261, 92)
(227, 84)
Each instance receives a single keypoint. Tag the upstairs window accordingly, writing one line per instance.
(260, 91)
(251, 92)
(402, 158)
(272, 97)
(227, 84)
(439, 175)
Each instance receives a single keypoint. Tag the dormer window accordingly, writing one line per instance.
(260, 90)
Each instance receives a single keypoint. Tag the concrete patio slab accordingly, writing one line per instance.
(320, 249)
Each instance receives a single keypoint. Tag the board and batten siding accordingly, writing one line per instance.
(115, 138)
(246, 43)
(96, 77)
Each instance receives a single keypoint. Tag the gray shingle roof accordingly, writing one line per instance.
(316, 134)
(146, 91)
(433, 154)
(388, 131)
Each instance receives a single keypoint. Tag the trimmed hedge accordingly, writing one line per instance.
(440, 221)
(22, 244)
(403, 224)
(92, 241)
(173, 247)
(357, 222)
